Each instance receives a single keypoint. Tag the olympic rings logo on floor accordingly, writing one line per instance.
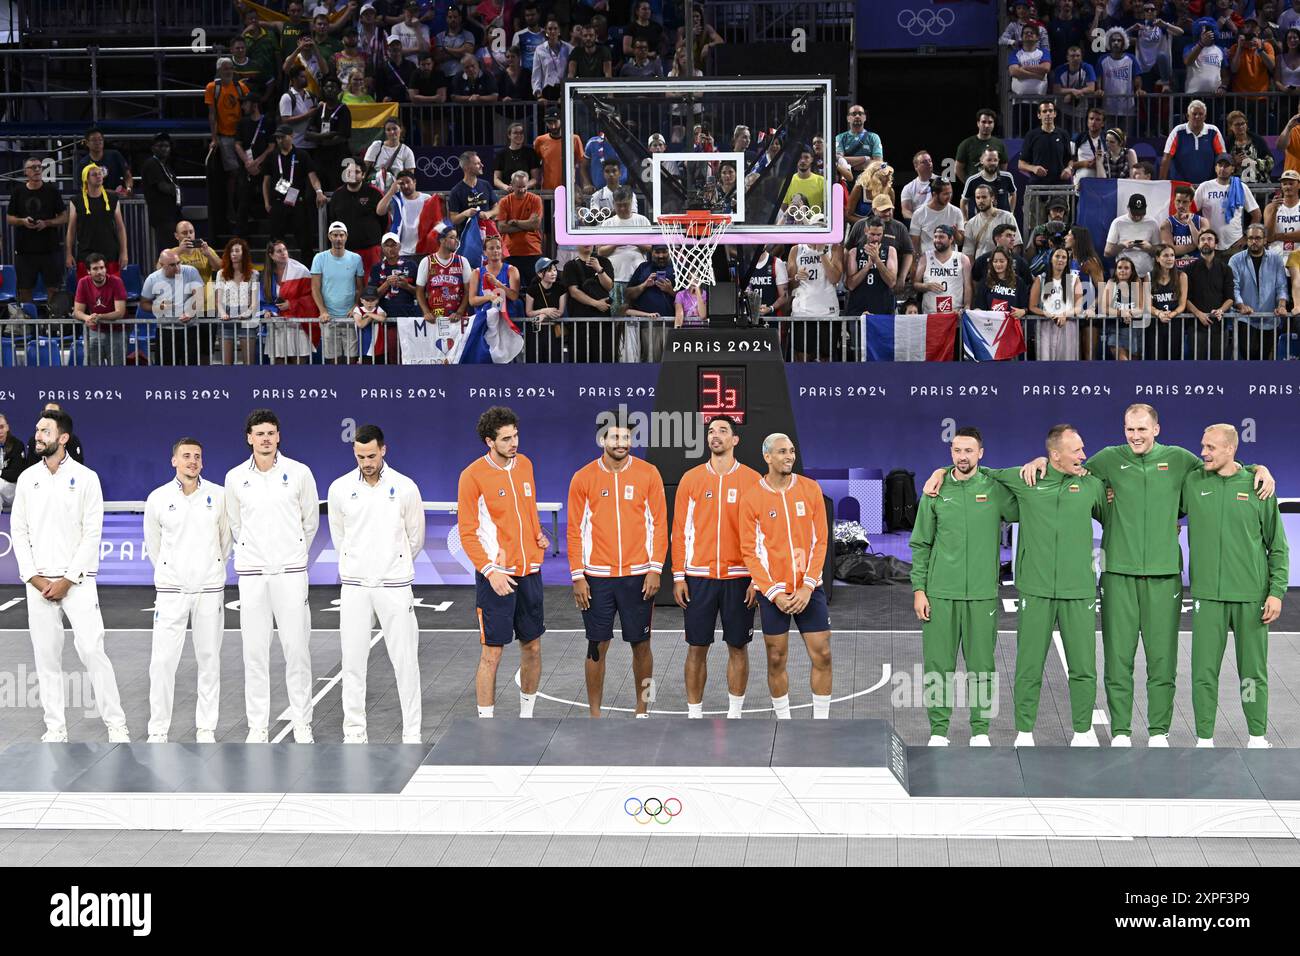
(659, 810)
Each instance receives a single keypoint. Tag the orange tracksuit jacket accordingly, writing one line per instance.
(783, 536)
(618, 521)
(706, 522)
(496, 512)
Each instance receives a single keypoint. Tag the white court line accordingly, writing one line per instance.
(885, 671)
(578, 630)
(329, 685)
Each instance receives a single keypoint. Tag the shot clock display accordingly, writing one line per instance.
(722, 392)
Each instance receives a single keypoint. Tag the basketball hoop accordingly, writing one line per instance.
(692, 237)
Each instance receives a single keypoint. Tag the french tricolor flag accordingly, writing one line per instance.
(910, 338)
(1102, 201)
(991, 336)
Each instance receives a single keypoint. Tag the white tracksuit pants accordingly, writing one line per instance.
(45, 621)
(173, 612)
(394, 608)
(281, 599)
(7, 491)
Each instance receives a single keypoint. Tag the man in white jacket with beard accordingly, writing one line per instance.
(274, 512)
(377, 527)
(57, 521)
(188, 539)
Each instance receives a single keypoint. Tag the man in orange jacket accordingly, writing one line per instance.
(496, 513)
(783, 541)
(618, 536)
(709, 574)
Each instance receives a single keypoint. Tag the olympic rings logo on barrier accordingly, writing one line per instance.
(438, 165)
(652, 808)
(920, 22)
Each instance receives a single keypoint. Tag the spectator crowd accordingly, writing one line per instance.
(1216, 277)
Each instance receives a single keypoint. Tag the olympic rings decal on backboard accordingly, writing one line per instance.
(919, 22)
(652, 808)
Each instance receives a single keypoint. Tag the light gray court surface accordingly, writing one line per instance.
(874, 630)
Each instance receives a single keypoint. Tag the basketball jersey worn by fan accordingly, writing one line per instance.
(496, 513)
(950, 274)
(444, 283)
(814, 295)
(618, 520)
(783, 536)
(706, 522)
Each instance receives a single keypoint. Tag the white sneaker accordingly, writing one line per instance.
(411, 739)
(1159, 741)
(119, 735)
(302, 734)
(980, 740)
(1088, 739)
(354, 739)
(257, 735)
(642, 716)
(1025, 739)
(938, 741)
(1258, 743)
(54, 737)
(205, 737)
(1206, 743)
(157, 738)
(1121, 740)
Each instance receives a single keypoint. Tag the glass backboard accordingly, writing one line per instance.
(749, 148)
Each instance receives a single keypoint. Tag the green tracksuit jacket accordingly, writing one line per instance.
(1054, 549)
(955, 541)
(1236, 542)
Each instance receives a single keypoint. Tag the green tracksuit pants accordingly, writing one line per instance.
(1150, 605)
(1076, 618)
(1210, 623)
(972, 627)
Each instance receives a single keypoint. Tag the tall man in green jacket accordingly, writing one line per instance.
(1141, 567)
(1239, 564)
(955, 561)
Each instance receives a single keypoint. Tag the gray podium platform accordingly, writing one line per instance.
(705, 776)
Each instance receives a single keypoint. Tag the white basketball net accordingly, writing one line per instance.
(691, 247)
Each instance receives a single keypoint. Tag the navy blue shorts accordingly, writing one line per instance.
(812, 619)
(708, 598)
(519, 614)
(624, 596)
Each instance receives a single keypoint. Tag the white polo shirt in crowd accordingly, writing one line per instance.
(376, 530)
(57, 521)
(188, 537)
(1209, 200)
(273, 516)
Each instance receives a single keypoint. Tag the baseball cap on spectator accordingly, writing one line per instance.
(552, 112)
(1057, 204)
(1290, 174)
(392, 40)
(1222, 158)
(946, 229)
(1137, 203)
(165, 137)
(882, 202)
(337, 226)
(365, 7)
(284, 130)
(542, 264)
(370, 292)
(390, 237)
(658, 245)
